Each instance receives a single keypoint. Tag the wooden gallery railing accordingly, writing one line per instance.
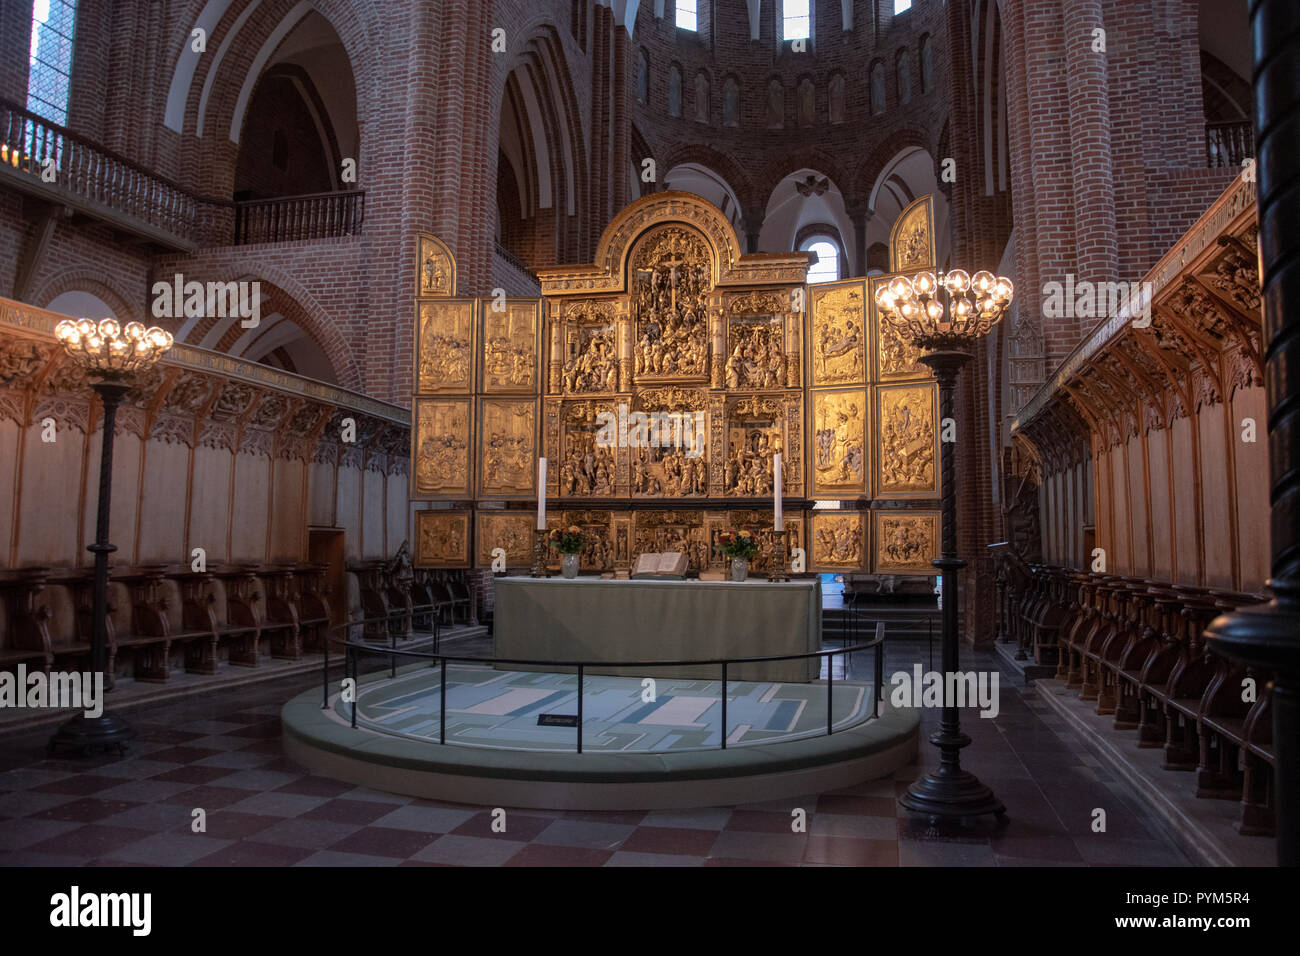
(295, 218)
(97, 176)
(1228, 144)
(104, 183)
(1136, 647)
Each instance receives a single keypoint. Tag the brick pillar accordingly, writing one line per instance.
(622, 121)
(15, 43)
(1090, 150)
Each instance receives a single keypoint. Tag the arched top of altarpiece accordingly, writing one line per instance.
(911, 241)
(435, 267)
(729, 267)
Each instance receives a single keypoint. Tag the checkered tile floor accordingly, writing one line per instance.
(222, 754)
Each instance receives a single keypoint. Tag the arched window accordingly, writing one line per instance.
(796, 19)
(878, 89)
(50, 63)
(904, 66)
(642, 77)
(687, 15)
(827, 266)
(927, 65)
(674, 90)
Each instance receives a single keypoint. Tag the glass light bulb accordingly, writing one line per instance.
(901, 287)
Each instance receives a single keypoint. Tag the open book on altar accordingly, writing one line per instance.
(660, 564)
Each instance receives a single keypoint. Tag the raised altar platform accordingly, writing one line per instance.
(662, 755)
(591, 619)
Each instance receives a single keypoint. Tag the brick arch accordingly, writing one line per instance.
(864, 177)
(295, 302)
(721, 163)
(214, 156)
(808, 157)
(538, 46)
(98, 283)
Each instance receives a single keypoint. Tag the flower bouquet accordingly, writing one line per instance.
(568, 541)
(741, 547)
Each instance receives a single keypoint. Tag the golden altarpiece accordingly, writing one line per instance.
(732, 357)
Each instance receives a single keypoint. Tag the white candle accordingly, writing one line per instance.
(776, 483)
(541, 494)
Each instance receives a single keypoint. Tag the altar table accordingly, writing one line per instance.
(592, 619)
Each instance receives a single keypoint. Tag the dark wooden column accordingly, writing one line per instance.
(1268, 635)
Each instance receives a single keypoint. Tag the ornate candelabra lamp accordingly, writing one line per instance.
(114, 355)
(945, 316)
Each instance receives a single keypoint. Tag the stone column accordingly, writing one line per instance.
(860, 216)
(1268, 635)
(752, 223)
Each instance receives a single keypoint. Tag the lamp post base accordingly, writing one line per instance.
(90, 735)
(958, 796)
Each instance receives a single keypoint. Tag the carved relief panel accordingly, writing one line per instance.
(582, 461)
(908, 451)
(839, 443)
(668, 440)
(906, 542)
(510, 346)
(837, 541)
(677, 530)
(760, 349)
(511, 531)
(837, 345)
(441, 451)
(896, 356)
(911, 242)
(756, 428)
(599, 549)
(589, 357)
(669, 279)
(757, 521)
(435, 268)
(444, 349)
(442, 539)
(507, 433)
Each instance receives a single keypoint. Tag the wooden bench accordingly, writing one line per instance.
(279, 622)
(310, 596)
(26, 638)
(1191, 673)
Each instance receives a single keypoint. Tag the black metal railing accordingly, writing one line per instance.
(326, 215)
(353, 649)
(1228, 144)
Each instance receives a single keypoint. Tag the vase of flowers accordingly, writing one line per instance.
(741, 547)
(568, 541)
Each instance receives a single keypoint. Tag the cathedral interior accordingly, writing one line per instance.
(971, 313)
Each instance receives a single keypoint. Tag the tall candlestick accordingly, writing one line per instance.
(541, 494)
(776, 482)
